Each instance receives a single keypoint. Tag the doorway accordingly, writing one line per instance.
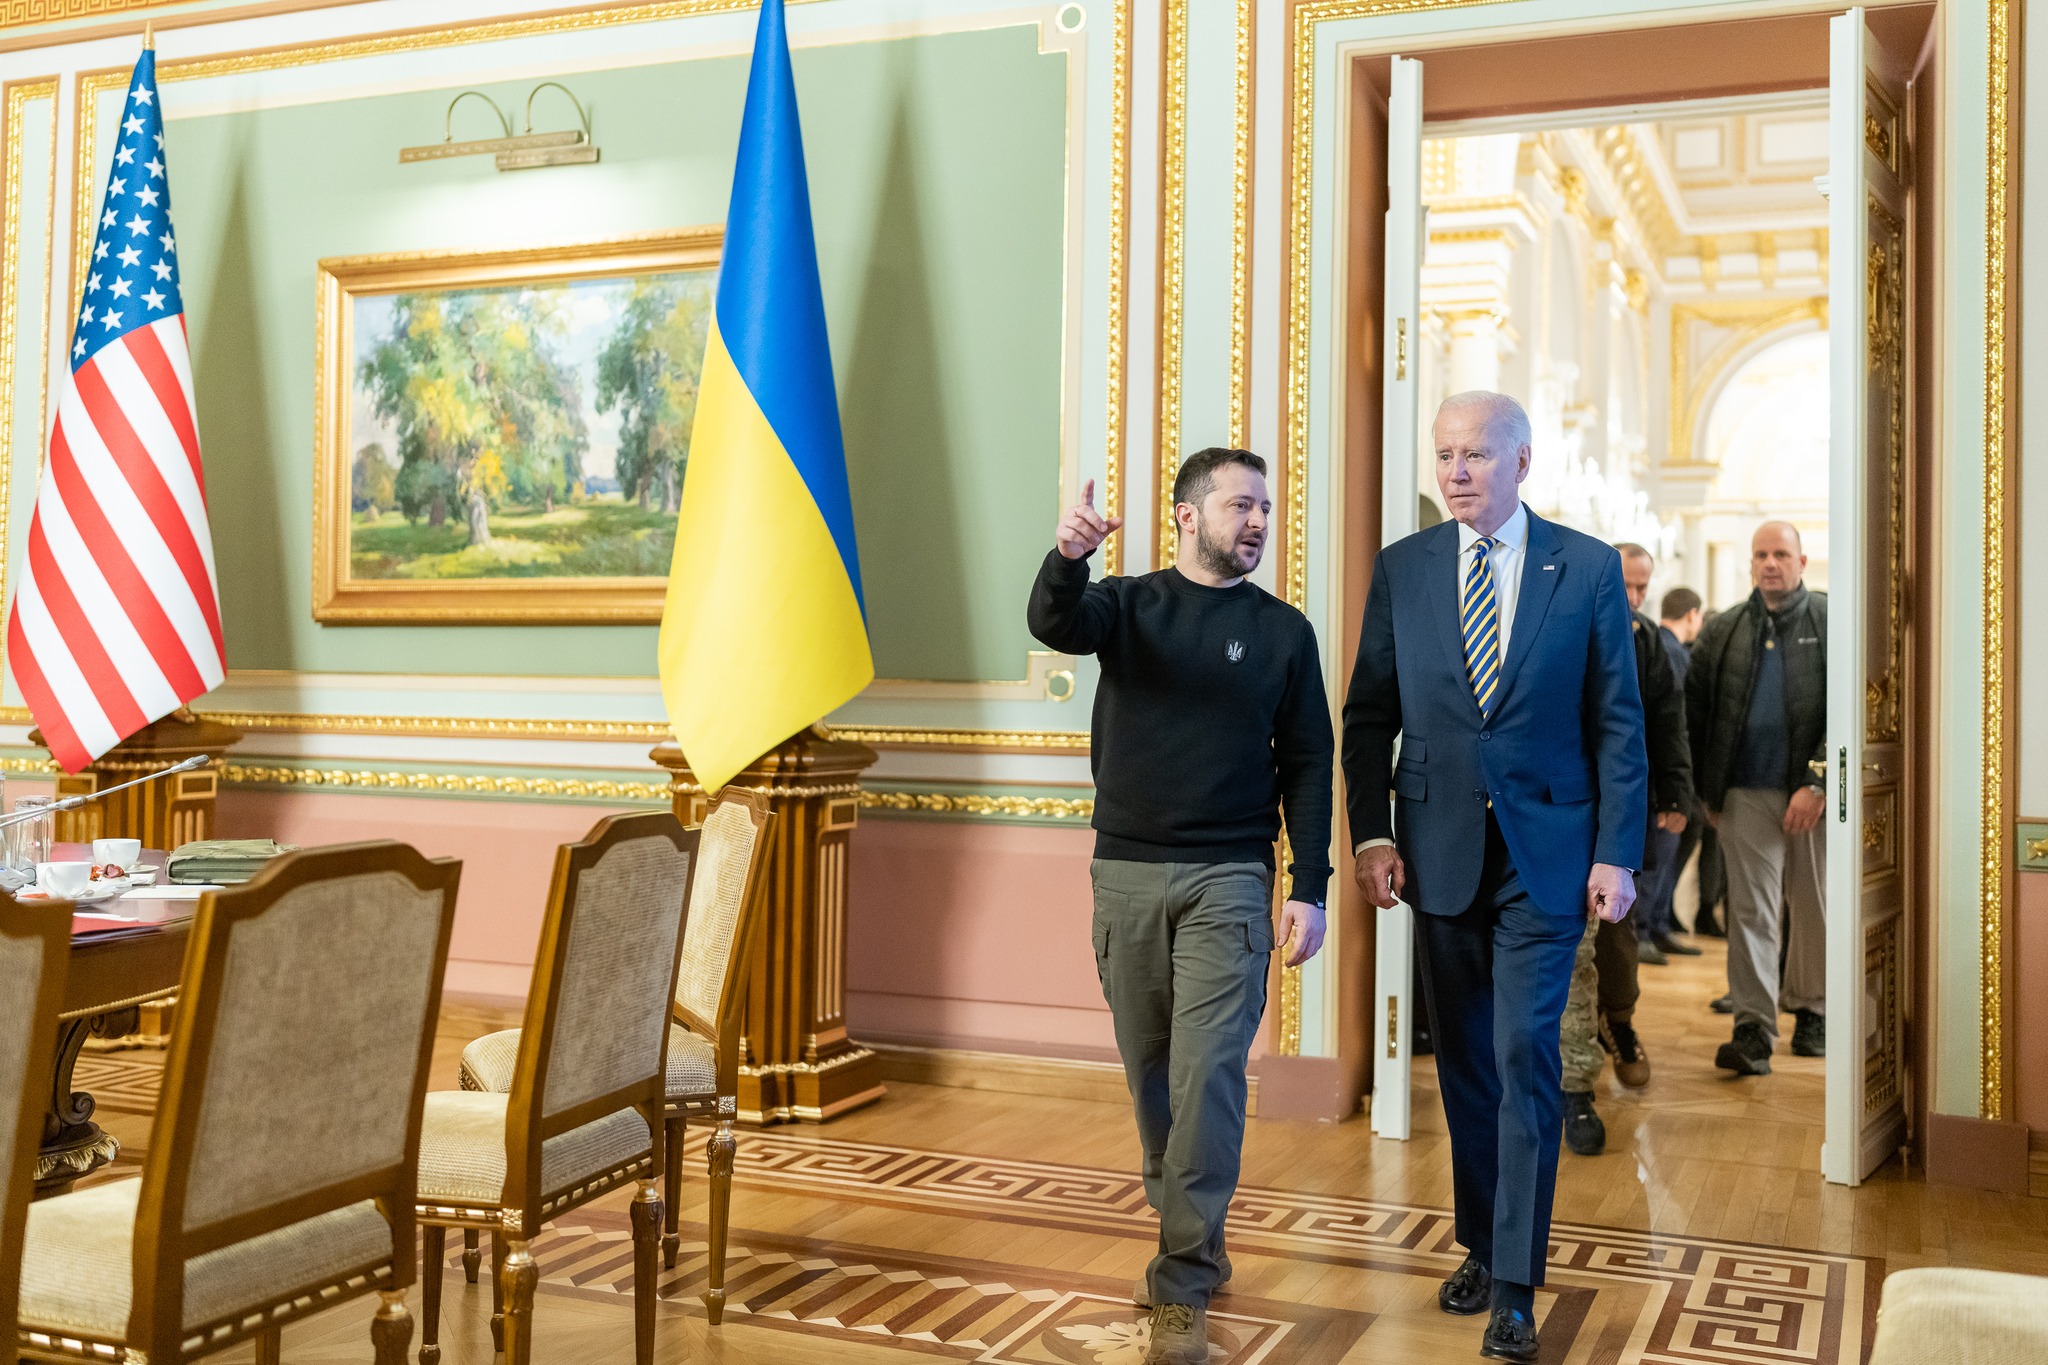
(1707, 303)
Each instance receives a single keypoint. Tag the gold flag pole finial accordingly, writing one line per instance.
(149, 35)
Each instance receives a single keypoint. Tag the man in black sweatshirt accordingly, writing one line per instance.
(1210, 717)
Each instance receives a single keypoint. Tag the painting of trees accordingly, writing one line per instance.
(484, 409)
(648, 371)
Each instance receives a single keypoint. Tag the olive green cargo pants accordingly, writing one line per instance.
(1182, 950)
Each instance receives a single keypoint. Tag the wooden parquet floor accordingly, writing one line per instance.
(978, 1226)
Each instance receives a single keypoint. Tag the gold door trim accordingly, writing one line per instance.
(1992, 864)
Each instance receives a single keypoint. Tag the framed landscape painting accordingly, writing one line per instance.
(503, 435)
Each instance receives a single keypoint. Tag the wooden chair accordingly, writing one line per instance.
(727, 899)
(279, 1180)
(35, 953)
(581, 1115)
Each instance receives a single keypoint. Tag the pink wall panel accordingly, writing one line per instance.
(974, 935)
(2031, 1001)
(507, 850)
(961, 935)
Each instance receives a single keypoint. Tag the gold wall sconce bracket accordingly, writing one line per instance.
(524, 151)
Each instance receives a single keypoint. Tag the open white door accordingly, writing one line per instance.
(1395, 952)
(1868, 285)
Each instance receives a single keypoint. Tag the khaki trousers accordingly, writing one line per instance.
(1182, 950)
(1772, 877)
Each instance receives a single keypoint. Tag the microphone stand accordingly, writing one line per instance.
(74, 802)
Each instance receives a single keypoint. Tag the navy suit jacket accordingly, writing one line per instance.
(1561, 757)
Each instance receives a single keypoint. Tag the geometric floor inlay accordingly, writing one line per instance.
(956, 1309)
(1703, 1299)
(1683, 1299)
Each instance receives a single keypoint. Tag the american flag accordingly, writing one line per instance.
(117, 621)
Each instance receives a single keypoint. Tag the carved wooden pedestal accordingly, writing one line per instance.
(796, 1061)
(162, 814)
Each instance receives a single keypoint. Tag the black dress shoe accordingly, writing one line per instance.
(1810, 1035)
(1468, 1291)
(1648, 951)
(1671, 945)
(1724, 1005)
(1584, 1133)
(1510, 1336)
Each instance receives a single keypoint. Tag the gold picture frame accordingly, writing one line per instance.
(492, 577)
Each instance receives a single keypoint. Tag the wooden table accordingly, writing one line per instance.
(112, 974)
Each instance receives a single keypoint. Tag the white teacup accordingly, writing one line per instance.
(123, 852)
(63, 880)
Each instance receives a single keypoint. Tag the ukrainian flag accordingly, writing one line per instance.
(764, 630)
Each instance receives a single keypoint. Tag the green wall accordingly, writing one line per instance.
(937, 169)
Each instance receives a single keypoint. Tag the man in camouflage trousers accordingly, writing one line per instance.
(1599, 1014)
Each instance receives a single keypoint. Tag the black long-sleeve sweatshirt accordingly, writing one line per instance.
(1211, 716)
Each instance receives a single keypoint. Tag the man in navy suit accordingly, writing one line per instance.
(1496, 648)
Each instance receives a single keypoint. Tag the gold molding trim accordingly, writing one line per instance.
(918, 737)
(1119, 270)
(948, 803)
(1757, 320)
(1241, 226)
(22, 13)
(1173, 216)
(442, 727)
(18, 96)
(1992, 852)
(451, 784)
(1885, 348)
(602, 731)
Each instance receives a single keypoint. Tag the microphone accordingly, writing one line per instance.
(74, 802)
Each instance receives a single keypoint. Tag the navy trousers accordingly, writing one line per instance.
(1494, 980)
(1657, 888)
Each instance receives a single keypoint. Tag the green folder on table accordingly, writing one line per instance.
(223, 862)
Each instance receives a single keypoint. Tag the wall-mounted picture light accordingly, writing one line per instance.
(514, 152)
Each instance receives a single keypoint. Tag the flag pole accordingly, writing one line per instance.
(149, 35)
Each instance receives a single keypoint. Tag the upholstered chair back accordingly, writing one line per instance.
(35, 946)
(298, 1070)
(312, 1058)
(734, 847)
(628, 908)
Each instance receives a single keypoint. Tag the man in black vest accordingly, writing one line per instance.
(1756, 707)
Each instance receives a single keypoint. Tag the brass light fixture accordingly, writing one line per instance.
(514, 152)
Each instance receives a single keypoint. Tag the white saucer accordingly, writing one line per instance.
(92, 895)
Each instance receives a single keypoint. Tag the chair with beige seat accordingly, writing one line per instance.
(725, 917)
(582, 1114)
(279, 1179)
(35, 953)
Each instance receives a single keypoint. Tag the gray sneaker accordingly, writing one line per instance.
(1180, 1335)
(1141, 1292)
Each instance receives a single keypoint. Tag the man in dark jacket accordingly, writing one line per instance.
(1599, 1013)
(1756, 705)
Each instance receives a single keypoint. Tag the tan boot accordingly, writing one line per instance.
(1631, 1060)
(1180, 1335)
(1141, 1291)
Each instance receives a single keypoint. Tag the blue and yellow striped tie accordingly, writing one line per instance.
(1479, 623)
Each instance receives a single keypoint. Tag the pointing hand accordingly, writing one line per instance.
(1083, 529)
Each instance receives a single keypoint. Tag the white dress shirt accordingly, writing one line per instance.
(1510, 548)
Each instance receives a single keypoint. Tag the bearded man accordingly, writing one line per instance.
(1210, 719)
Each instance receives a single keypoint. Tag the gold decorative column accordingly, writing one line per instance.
(796, 1061)
(162, 814)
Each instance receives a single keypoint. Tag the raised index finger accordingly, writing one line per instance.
(1088, 494)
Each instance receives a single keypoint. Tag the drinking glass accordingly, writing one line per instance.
(28, 842)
